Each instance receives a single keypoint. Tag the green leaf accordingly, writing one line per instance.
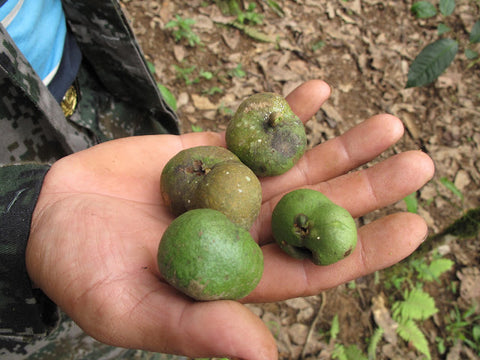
(151, 67)
(423, 10)
(196, 128)
(441, 345)
(318, 45)
(470, 54)
(253, 33)
(237, 72)
(476, 333)
(214, 90)
(375, 339)
(411, 202)
(451, 186)
(410, 332)
(277, 9)
(442, 29)
(447, 7)
(431, 62)
(335, 328)
(475, 33)
(354, 353)
(168, 96)
(206, 75)
(436, 268)
(418, 305)
(339, 352)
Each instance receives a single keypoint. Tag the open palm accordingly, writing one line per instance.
(100, 217)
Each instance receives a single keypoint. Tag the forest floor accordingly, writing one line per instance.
(363, 49)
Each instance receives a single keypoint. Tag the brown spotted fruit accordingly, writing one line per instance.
(307, 225)
(207, 257)
(211, 177)
(266, 135)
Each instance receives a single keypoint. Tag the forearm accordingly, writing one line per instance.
(25, 313)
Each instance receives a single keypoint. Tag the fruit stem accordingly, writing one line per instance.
(274, 119)
(301, 224)
(199, 168)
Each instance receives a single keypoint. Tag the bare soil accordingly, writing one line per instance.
(363, 49)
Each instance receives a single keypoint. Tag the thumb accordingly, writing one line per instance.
(168, 322)
(226, 329)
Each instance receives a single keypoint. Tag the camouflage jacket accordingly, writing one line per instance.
(32, 124)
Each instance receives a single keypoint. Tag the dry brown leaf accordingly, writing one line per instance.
(469, 283)
(382, 317)
(203, 103)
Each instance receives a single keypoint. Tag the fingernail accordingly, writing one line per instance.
(425, 237)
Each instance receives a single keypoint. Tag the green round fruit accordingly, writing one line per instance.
(232, 188)
(183, 172)
(212, 177)
(207, 257)
(266, 135)
(306, 224)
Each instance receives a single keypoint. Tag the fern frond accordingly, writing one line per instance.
(410, 332)
(436, 268)
(417, 305)
(335, 328)
(339, 352)
(372, 346)
(353, 352)
(253, 32)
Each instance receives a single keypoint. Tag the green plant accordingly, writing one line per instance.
(185, 74)
(214, 90)
(237, 72)
(318, 45)
(276, 8)
(190, 75)
(247, 19)
(374, 341)
(196, 128)
(416, 268)
(206, 74)
(411, 202)
(415, 305)
(432, 271)
(340, 351)
(351, 352)
(166, 94)
(182, 30)
(250, 16)
(464, 327)
(451, 186)
(224, 110)
(436, 57)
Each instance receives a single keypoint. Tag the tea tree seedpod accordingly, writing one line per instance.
(212, 177)
(306, 224)
(266, 135)
(207, 257)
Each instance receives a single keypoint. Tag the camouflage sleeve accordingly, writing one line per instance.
(25, 313)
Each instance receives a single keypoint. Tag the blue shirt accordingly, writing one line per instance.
(38, 27)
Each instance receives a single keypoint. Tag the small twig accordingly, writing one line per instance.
(313, 325)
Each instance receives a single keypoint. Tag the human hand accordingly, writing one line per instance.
(100, 216)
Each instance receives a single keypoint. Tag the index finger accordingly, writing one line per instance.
(335, 157)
